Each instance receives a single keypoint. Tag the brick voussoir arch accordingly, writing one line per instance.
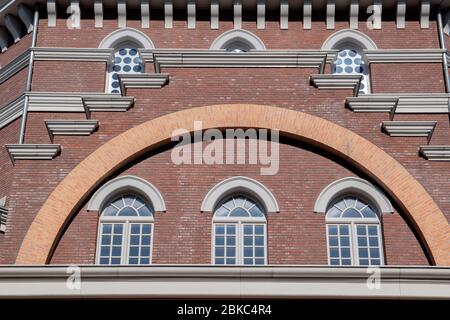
(421, 210)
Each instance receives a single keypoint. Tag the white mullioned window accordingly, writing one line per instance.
(126, 60)
(239, 232)
(353, 233)
(350, 61)
(125, 234)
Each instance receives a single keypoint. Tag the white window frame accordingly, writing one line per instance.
(124, 44)
(353, 223)
(359, 50)
(126, 221)
(240, 222)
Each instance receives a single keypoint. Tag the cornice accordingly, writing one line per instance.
(70, 127)
(426, 103)
(16, 16)
(143, 80)
(205, 281)
(336, 81)
(3, 218)
(72, 54)
(404, 55)
(435, 153)
(11, 111)
(221, 58)
(409, 128)
(14, 66)
(33, 151)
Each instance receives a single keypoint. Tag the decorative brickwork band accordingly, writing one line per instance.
(405, 190)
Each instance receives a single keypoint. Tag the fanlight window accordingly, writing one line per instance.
(125, 231)
(354, 235)
(239, 226)
(237, 47)
(350, 61)
(126, 61)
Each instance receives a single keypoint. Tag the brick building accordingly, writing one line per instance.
(91, 93)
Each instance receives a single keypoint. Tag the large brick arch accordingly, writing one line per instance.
(420, 208)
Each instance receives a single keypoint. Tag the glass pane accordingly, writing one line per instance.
(334, 212)
(117, 240)
(256, 212)
(368, 213)
(373, 230)
(259, 229)
(134, 251)
(231, 240)
(351, 213)
(231, 251)
(374, 253)
(128, 211)
(231, 229)
(334, 262)
(332, 241)
(220, 229)
(346, 262)
(146, 240)
(363, 253)
(248, 251)
(259, 252)
(343, 230)
(332, 230)
(105, 251)
(345, 241)
(345, 252)
(239, 212)
(144, 211)
(362, 241)
(239, 206)
(373, 241)
(219, 261)
(147, 228)
(135, 228)
(110, 211)
(145, 251)
(134, 240)
(106, 228)
(220, 240)
(128, 200)
(259, 240)
(106, 240)
(248, 240)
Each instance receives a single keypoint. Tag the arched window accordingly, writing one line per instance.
(126, 59)
(350, 57)
(239, 232)
(351, 61)
(353, 232)
(125, 233)
(237, 41)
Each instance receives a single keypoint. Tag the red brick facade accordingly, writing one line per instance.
(296, 235)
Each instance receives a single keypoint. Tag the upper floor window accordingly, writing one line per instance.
(351, 61)
(239, 232)
(237, 41)
(353, 232)
(125, 231)
(350, 57)
(126, 60)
